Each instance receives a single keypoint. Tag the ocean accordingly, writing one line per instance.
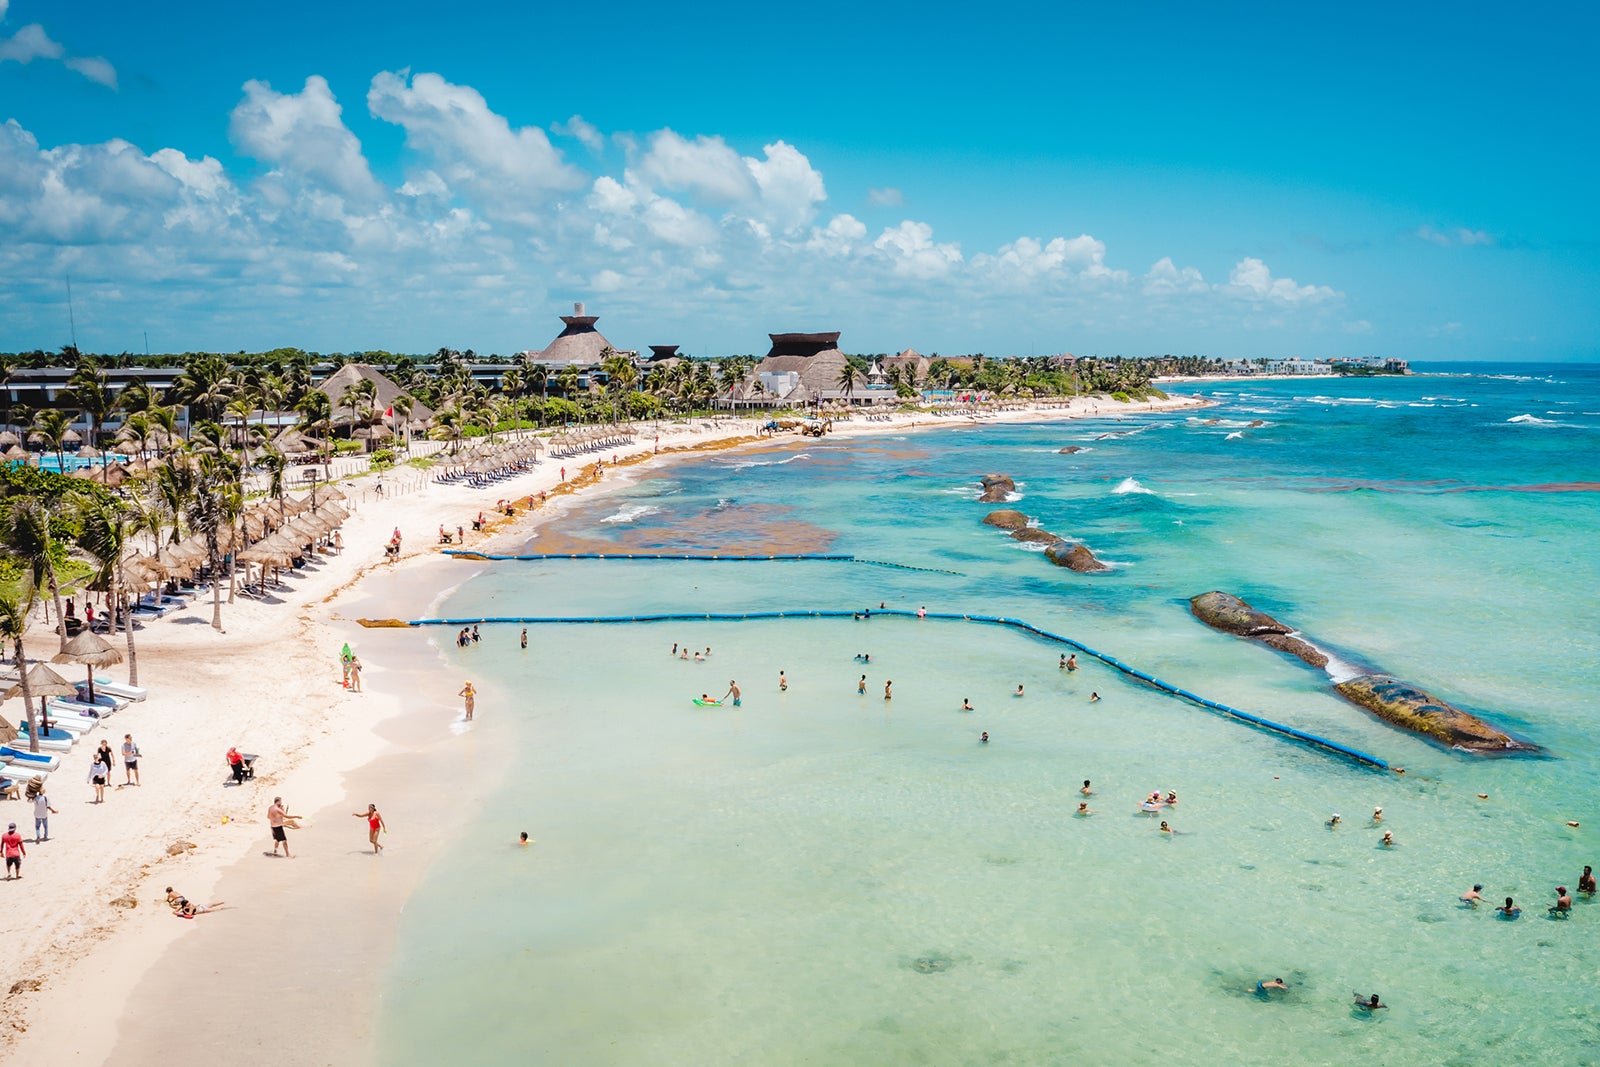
(821, 876)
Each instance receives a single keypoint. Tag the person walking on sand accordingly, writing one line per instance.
(278, 818)
(12, 847)
(355, 674)
(130, 760)
(41, 816)
(98, 773)
(469, 697)
(375, 826)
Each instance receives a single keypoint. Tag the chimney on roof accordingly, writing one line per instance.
(577, 308)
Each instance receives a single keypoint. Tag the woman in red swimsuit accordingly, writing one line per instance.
(374, 826)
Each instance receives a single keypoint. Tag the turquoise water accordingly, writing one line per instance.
(822, 877)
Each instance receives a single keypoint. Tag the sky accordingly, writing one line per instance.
(1237, 180)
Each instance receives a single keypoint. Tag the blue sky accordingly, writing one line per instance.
(1232, 180)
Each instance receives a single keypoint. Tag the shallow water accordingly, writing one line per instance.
(824, 877)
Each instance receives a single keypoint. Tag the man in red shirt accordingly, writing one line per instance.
(11, 845)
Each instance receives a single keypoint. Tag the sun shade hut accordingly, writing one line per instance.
(43, 683)
(91, 650)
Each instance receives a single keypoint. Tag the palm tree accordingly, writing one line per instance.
(14, 607)
(402, 412)
(213, 506)
(847, 379)
(107, 530)
(89, 389)
(513, 384)
(50, 427)
(206, 385)
(26, 537)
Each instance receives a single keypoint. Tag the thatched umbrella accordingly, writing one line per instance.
(167, 564)
(71, 437)
(43, 683)
(8, 733)
(88, 452)
(9, 438)
(91, 650)
(16, 452)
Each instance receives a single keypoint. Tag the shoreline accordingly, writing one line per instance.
(281, 704)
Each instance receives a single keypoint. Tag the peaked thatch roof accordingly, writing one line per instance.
(579, 343)
(335, 384)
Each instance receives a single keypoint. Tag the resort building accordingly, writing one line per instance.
(806, 368)
(579, 345)
(372, 412)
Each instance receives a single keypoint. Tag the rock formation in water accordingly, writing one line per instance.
(1075, 557)
(1295, 647)
(1407, 706)
(1034, 535)
(1228, 613)
(1006, 519)
(996, 489)
(1069, 450)
(1396, 702)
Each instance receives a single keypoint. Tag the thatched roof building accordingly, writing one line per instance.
(335, 384)
(580, 343)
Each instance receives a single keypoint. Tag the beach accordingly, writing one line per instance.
(290, 969)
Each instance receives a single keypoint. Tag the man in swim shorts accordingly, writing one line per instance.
(277, 815)
(861, 686)
(1586, 880)
(1473, 895)
(733, 691)
(1272, 983)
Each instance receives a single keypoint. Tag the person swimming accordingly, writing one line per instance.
(1165, 828)
(1371, 1003)
(1509, 909)
(1083, 808)
(966, 705)
(1018, 692)
(1473, 895)
(984, 740)
(1586, 880)
(1094, 697)
(523, 838)
(1388, 839)
(1377, 816)
(1270, 983)
(1563, 905)
(1063, 664)
(1333, 823)
(1171, 800)
(1086, 791)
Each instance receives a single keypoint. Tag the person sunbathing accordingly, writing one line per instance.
(183, 909)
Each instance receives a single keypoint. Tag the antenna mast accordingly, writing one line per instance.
(72, 322)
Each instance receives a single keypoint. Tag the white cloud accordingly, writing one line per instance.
(304, 135)
(510, 171)
(425, 183)
(670, 221)
(1165, 278)
(705, 165)
(32, 42)
(1251, 280)
(28, 44)
(790, 187)
(610, 197)
(95, 69)
(4, 6)
(888, 196)
(582, 131)
(1082, 257)
(839, 237)
(1460, 236)
(913, 253)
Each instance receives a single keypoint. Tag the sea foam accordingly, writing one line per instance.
(1130, 485)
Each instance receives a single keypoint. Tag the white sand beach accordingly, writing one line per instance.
(99, 968)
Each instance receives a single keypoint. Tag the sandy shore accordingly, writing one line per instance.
(290, 971)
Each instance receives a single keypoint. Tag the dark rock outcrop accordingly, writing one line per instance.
(1258, 422)
(1296, 647)
(1407, 706)
(1034, 535)
(1076, 557)
(1006, 519)
(1069, 450)
(1229, 614)
(996, 488)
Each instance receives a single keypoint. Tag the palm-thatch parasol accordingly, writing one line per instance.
(9, 438)
(43, 683)
(91, 650)
(167, 564)
(71, 437)
(16, 452)
(330, 493)
(88, 452)
(8, 733)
